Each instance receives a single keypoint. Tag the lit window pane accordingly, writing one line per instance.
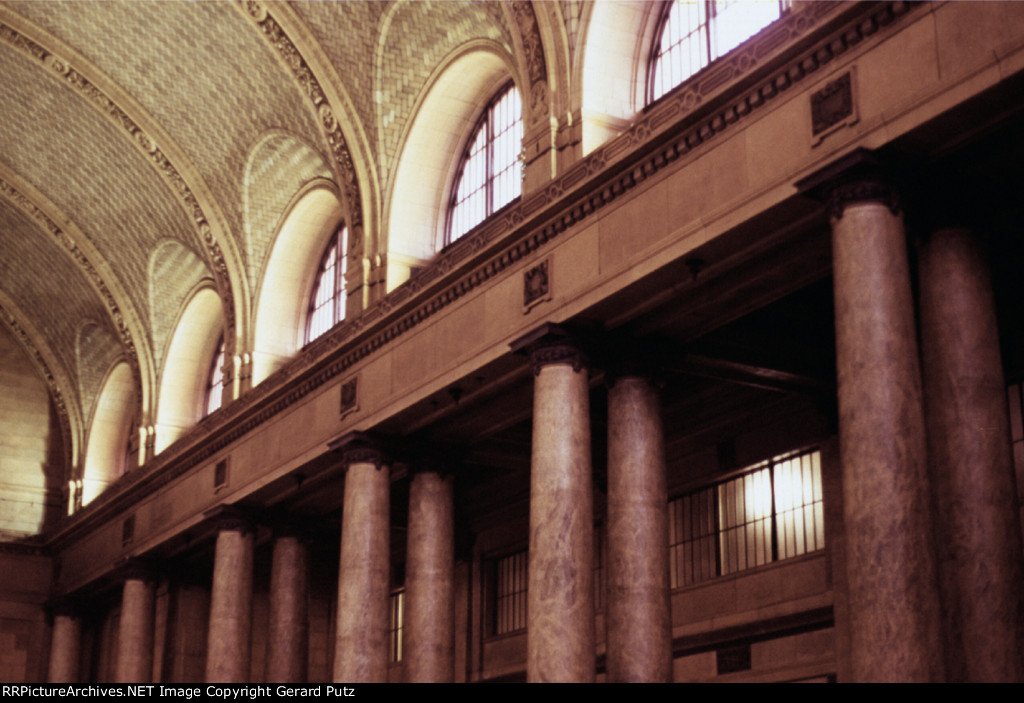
(510, 591)
(774, 510)
(327, 304)
(396, 625)
(215, 381)
(490, 175)
(696, 32)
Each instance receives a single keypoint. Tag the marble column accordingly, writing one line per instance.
(65, 646)
(429, 651)
(228, 647)
(361, 649)
(895, 631)
(288, 628)
(135, 632)
(639, 628)
(560, 597)
(979, 542)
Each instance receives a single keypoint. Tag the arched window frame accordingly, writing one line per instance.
(214, 397)
(698, 35)
(327, 300)
(497, 174)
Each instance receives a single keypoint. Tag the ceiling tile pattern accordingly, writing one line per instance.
(82, 163)
(210, 80)
(29, 268)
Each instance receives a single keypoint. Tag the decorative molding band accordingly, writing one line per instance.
(533, 49)
(73, 78)
(310, 87)
(585, 188)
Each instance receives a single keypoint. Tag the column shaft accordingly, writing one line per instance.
(895, 634)
(638, 617)
(560, 598)
(135, 634)
(361, 653)
(228, 641)
(65, 649)
(288, 629)
(972, 467)
(429, 649)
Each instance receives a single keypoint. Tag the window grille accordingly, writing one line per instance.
(396, 625)
(773, 510)
(510, 594)
(215, 380)
(490, 173)
(694, 33)
(327, 304)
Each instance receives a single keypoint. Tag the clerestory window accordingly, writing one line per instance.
(215, 381)
(327, 303)
(693, 33)
(490, 173)
(770, 511)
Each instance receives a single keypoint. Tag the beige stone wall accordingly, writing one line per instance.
(30, 446)
(24, 629)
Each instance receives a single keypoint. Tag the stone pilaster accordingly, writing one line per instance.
(361, 650)
(895, 632)
(979, 545)
(560, 598)
(228, 648)
(429, 579)
(639, 631)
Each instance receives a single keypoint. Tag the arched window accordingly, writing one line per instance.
(327, 304)
(215, 381)
(490, 174)
(694, 33)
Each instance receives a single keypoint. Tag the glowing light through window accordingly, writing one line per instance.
(327, 304)
(696, 32)
(215, 382)
(774, 510)
(490, 175)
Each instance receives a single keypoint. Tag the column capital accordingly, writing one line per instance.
(137, 568)
(551, 344)
(632, 358)
(360, 448)
(283, 524)
(231, 518)
(65, 606)
(860, 176)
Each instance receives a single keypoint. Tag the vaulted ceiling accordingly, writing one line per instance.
(149, 147)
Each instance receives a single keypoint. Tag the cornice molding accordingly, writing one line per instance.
(144, 133)
(652, 143)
